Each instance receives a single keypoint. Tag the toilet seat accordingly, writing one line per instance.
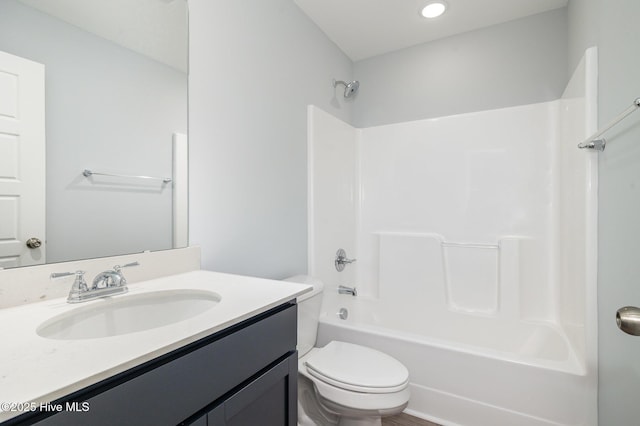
(350, 402)
(357, 368)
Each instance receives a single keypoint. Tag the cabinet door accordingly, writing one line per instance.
(269, 400)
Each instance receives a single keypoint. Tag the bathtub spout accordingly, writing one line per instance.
(347, 290)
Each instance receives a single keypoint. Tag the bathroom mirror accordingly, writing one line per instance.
(115, 84)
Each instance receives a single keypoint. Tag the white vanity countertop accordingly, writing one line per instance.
(37, 369)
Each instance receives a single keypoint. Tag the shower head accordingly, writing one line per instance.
(350, 89)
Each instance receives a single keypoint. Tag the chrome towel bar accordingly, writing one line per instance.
(596, 142)
(87, 173)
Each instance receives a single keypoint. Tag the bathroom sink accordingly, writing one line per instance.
(128, 314)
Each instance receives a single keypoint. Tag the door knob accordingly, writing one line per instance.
(628, 320)
(33, 243)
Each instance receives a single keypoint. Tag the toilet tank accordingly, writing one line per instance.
(309, 305)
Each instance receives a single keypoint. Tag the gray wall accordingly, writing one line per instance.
(108, 109)
(582, 19)
(254, 67)
(515, 63)
(616, 32)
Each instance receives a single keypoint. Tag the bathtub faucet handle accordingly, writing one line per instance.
(342, 289)
(342, 260)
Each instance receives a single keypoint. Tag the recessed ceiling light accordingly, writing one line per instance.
(434, 9)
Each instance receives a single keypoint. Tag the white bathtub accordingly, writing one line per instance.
(472, 371)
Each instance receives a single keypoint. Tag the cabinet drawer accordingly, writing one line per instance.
(177, 389)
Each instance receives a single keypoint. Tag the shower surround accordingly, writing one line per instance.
(475, 239)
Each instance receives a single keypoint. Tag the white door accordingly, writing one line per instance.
(22, 162)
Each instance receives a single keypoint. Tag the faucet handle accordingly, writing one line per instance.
(118, 267)
(56, 275)
(341, 260)
(79, 284)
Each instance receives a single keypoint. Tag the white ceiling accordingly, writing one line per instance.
(361, 28)
(154, 28)
(365, 28)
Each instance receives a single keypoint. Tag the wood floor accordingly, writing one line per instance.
(403, 419)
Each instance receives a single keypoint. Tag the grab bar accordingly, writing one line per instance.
(87, 173)
(597, 143)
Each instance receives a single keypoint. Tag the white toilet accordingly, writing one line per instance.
(342, 383)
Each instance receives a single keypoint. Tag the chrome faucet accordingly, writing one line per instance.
(111, 278)
(106, 283)
(342, 289)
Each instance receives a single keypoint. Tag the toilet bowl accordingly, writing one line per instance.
(343, 383)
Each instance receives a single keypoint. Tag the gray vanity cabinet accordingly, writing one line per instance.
(244, 375)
